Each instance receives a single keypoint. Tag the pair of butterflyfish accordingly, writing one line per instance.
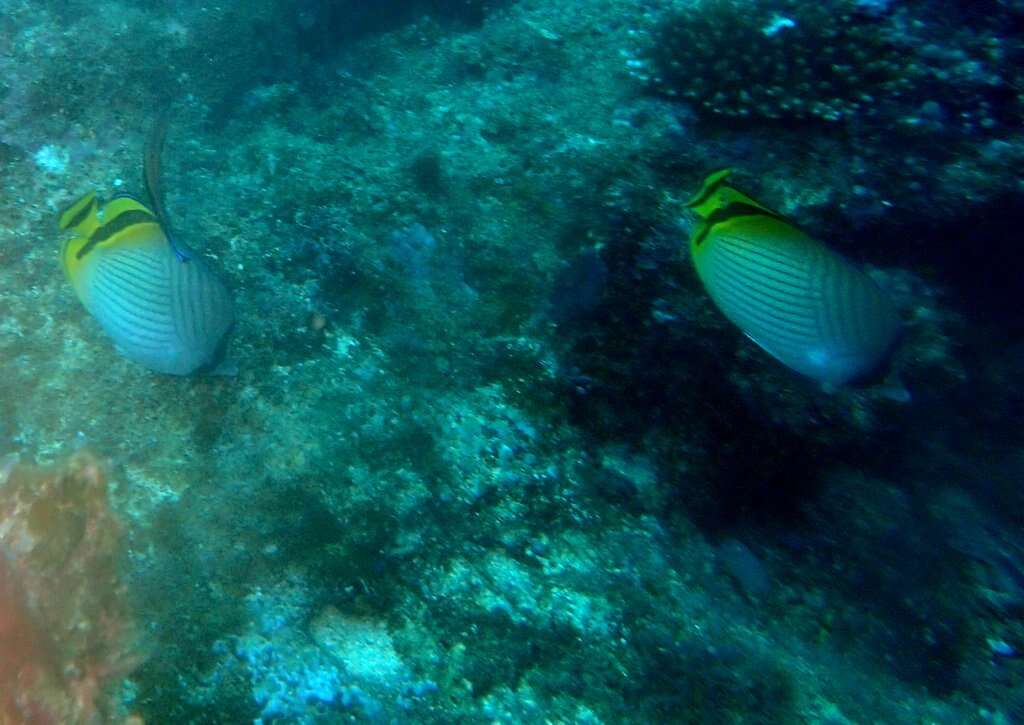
(160, 302)
(800, 301)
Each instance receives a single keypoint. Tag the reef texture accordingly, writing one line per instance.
(491, 454)
(64, 629)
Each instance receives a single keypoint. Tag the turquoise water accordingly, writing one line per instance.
(481, 446)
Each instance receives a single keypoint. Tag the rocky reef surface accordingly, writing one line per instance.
(490, 453)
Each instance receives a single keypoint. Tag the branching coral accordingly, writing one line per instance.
(783, 60)
(839, 62)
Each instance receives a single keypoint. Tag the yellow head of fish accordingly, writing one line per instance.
(121, 221)
(800, 301)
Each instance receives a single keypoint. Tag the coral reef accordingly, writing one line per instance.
(780, 61)
(927, 65)
(65, 634)
(490, 453)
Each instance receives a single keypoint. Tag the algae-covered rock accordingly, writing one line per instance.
(65, 629)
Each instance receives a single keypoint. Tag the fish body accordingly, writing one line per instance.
(797, 299)
(170, 314)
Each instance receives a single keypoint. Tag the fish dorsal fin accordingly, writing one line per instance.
(151, 164)
(151, 173)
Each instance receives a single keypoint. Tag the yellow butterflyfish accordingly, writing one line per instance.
(161, 303)
(800, 301)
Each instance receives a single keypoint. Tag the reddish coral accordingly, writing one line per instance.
(64, 634)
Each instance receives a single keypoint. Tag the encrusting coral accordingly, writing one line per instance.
(64, 630)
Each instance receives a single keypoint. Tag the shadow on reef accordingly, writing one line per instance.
(651, 363)
(751, 451)
(974, 258)
(892, 552)
(978, 255)
(327, 26)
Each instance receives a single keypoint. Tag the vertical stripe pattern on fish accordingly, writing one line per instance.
(797, 299)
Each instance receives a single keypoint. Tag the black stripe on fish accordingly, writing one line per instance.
(709, 189)
(733, 211)
(80, 215)
(114, 226)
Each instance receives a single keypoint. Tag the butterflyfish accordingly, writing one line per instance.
(803, 303)
(162, 304)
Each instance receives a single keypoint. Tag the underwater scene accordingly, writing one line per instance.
(512, 361)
